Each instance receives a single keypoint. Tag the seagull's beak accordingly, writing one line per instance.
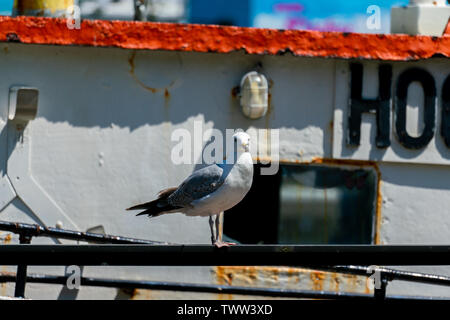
(246, 146)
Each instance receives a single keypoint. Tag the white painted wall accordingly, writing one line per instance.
(101, 142)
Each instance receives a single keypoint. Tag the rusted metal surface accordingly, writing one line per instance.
(246, 283)
(134, 289)
(4, 239)
(221, 39)
(129, 289)
(288, 278)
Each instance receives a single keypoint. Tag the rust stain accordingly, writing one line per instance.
(224, 278)
(290, 278)
(141, 294)
(3, 286)
(129, 293)
(269, 112)
(317, 279)
(235, 92)
(233, 98)
(331, 128)
(132, 293)
(209, 38)
(7, 238)
(293, 275)
(131, 62)
(367, 289)
(166, 98)
(378, 213)
(335, 282)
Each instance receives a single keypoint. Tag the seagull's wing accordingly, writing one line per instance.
(199, 184)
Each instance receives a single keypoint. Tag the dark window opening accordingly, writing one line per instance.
(306, 204)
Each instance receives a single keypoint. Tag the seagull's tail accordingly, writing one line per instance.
(156, 207)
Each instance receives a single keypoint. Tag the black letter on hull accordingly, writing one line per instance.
(429, 88)
(380, 105)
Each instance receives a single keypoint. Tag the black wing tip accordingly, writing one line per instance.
(139, 207)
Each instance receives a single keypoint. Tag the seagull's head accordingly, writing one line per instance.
(242, 141)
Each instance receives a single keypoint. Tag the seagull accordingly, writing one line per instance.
(208, 191)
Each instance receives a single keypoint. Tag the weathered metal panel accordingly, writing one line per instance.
(433, 152)
(102, 137)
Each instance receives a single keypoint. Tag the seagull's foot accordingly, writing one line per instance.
(220, 244)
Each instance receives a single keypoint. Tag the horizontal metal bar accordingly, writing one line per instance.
(392, 274)
(34, 230)
(204, 288)
(207, 255)
(190, 287)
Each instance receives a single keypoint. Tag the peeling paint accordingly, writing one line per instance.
(288, 278)
(223, 278)
(7, 239)
(317, 279)
(223, 39)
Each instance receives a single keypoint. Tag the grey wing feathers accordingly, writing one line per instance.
(199, 184)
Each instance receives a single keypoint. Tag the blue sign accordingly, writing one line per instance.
(325, 15)
(369, 16)
(6, 7)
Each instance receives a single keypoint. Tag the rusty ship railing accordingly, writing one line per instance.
(117, 250)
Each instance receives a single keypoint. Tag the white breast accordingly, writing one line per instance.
(234, 189)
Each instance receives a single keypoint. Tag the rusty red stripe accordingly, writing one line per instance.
(221, 39)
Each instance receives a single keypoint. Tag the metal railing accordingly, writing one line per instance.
(26, 231)
(350, 259)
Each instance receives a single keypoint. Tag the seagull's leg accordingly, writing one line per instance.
(211, 224)
(219, 232)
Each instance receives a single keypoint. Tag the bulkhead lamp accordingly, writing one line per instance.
(254, 94)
